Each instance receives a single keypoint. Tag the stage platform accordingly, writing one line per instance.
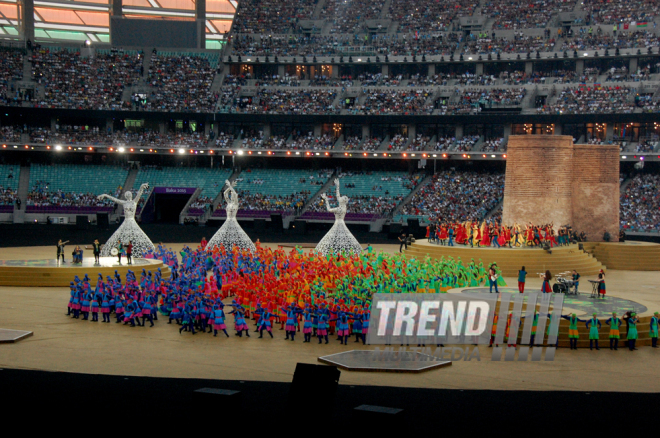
(50, 272)
(510, 260)
(626, 256)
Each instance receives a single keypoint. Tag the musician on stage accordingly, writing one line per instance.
(576, 280)
(601, 285)
(97, 251)
(60, 250)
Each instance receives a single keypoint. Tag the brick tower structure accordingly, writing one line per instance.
(551, 180)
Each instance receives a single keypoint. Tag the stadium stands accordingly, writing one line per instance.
(182, 82)
(455, 196)
(8, 187)
(372, 195)
(11, 68)
(265, 191)
(72, 81)
(73, 188)
(640, 204)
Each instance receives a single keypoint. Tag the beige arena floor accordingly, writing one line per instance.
(64, 344)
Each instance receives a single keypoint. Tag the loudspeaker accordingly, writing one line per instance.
(103, 221)
(82, 223)
(276, 222)
(313, 382)
(300, 227)
(260, 225)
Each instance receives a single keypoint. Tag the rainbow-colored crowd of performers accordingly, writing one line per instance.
(299, 291)
(494, 234)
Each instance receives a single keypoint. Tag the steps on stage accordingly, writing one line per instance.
(36, 273)
(535, 260)
(627, 256)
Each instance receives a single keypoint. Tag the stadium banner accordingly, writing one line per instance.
(175, 190)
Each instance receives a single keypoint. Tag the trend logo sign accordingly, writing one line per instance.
(462, 319)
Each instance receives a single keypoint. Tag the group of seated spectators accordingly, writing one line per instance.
(277, 80)
(58, 198)
(444, 143)
(72, 81)
(270, 16)
(599, 11)
(646, 146)
(592, 100)
(261, 201)
(379, 80)
(411, 44)
(224, 141)
(429, 16)
(10, 133)
(397, 142)
(351, 142)
(521, 14)
(371, 144)
(390, 101)
(327, 81)
(283, 101)
(419, 143)
(202, 203)
(380, 205)
(72, 134)
(11, 69)
(7, 196)
(311, 142)
(457, 196)
(466, 143)
(349, 17)
(182, 83)
(640, 204)
(155, 139)
(494, 145)
(585, 40)
(492, 97)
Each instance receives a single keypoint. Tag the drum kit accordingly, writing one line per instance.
(564, 284)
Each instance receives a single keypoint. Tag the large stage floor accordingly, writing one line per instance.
(64, 344)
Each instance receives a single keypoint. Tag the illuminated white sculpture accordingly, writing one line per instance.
(339, 239)
(129, 231)
(230, 233)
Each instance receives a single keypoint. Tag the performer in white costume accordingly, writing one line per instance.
(129, 231)
(339, 238)
(231, 233)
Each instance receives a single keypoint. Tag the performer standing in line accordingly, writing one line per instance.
(653, 330)
(593, 325)
(573, 334)
(60, 250)
(97, 251)
(632, 331)
(614, 324)
(129, 252)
